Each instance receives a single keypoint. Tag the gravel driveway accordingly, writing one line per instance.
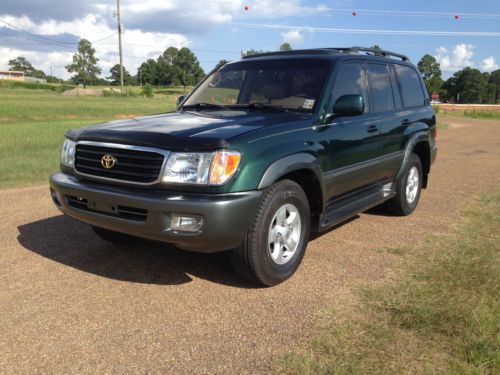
(71, 303)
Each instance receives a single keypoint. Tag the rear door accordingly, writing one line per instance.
(410, 103)
(388, 116)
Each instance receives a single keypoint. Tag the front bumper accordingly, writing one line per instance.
(227, 217)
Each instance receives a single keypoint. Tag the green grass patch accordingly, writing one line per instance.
(441, 314)
(41, 105)
(474, 113)
(442, 125)
(33, 123)
(7, 84)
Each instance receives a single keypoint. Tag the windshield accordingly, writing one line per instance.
(285, 84)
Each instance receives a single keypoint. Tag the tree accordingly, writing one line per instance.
(286, 47)
(221, 63)
(148, 72)
(495, 81)
(20, 64)
(467, 86)
(187, 68)
(115, 76)
(165, 67)
(431, 73)
(84, 64)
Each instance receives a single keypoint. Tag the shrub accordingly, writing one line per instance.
(147, 90)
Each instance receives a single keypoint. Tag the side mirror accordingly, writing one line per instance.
(180, 99)
(349, 105)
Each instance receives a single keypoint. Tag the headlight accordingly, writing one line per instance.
(68, 153)
(190, 168)
(201, 168)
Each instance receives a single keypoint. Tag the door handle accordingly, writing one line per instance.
(406, 122)
(372, 129)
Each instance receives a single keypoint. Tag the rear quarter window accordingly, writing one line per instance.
(413, 94)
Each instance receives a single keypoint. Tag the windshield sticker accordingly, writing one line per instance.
(308, 104)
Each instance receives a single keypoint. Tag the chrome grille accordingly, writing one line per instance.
(132, 165)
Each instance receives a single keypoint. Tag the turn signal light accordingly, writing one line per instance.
(224, 165)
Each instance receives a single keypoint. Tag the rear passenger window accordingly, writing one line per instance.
(413, 95)
(350, 80)
(380, 84)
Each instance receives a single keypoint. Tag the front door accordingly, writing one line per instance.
(354, 140)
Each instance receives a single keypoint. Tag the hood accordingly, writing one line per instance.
(183, 130)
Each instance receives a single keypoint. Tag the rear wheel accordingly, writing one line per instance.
(278, 237)
(408, 188)
(115, 237)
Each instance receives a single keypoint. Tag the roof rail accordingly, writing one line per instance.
(374, 51)
(328, 51)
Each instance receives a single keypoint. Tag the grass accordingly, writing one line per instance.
(7, 84)
(473, 113)
(33, 123)
(439, 314)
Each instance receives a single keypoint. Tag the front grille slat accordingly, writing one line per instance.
(132, 165)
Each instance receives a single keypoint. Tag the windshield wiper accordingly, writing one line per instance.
(204, 105)
(260, 105)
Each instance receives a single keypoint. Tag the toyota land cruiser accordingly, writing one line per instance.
(262, 152)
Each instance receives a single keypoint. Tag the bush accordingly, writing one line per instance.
(147, 90)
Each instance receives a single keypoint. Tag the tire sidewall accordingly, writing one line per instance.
(272, 273)
(407, 207)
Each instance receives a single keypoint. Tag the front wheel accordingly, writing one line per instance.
(408, 188)
(278, 237)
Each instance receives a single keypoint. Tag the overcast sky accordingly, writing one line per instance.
(458, 32)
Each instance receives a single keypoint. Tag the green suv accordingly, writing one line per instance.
(262, 152)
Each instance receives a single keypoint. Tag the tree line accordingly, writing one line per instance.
(181, 67)
(468, 85)
(173, 67)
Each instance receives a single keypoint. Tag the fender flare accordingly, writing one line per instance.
(415, 138)
(292, 163)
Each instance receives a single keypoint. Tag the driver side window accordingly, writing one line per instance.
(351, 80)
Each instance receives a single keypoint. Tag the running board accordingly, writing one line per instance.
(338, 211)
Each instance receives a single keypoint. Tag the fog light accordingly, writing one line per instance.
(186, 223)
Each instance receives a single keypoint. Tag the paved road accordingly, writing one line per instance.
(72, 303)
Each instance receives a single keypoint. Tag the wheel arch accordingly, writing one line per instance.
(419, 145)
(305, 170)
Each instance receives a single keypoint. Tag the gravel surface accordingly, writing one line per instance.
(71, 303)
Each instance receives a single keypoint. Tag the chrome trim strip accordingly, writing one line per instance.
(124, 147)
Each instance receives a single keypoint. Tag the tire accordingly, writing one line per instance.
(272, 252)
(116, 238)
(408, 189)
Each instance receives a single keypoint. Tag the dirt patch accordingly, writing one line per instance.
(126, 116)
(83, 92)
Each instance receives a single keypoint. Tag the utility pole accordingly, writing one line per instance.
(120, 43)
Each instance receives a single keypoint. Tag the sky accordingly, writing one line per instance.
(458, 33)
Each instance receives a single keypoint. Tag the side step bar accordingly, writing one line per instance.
(340, 210)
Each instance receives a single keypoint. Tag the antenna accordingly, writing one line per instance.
(120, 43)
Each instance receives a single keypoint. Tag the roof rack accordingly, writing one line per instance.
(327, 51)
(374, 51)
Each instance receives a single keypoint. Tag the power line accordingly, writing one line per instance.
(368, 31)
(373, 12)
(67, 44)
